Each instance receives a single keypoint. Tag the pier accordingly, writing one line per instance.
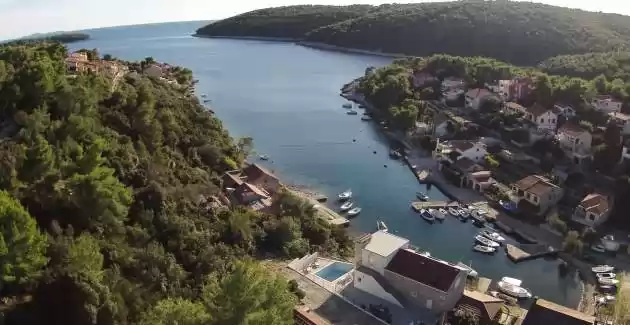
(528, 252)
(323, 211)
(419, 205)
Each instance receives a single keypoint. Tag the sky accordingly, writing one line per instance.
(24, 17)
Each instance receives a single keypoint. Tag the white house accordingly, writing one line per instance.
(606, 104)
(565, 110)
(537, 190)
(474, 97)
(575, 142)
(621, 119)
(475, 151)
(543, 118)
(515, 89)
(593, 210)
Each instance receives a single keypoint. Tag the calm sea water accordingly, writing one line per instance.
(287, 98)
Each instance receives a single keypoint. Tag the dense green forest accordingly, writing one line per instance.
(65, 37)
(612, 65)
(284, 22)
(518, 32)
(102, 211)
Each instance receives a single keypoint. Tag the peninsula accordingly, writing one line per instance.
(61, 37)
(517, 32)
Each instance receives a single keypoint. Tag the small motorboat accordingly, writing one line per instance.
(366, 118)
(352, 112)
(346, 206)
(484, 249)
(512, 287)
(463, 214)
(471, 273)
(608, 288)
(485, 241)
(443, 211)
(609, 282)
(494, 236)
(453, 212)
(422, 197)
(394, 154)
(263, 157)
(603, 269)
(426, 215)
(609, 275)
(436, 214)
(598, 248)
(354, 211)
(346, 195)
(361, 106)
(380, 225)
(347, 105)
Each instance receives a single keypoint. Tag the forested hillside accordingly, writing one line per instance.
(283, 22)
(102, 210)
(612, 65)
(517, 32)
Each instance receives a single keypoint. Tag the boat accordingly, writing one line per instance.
(609, 275)
(366, 118)
(610, 282)
(484, 249)
(380, 225)
(207, 101)
(347, 105)
(426, 215)
(603, 269)
(354, 211)
(422, 197)
(471, 272)
(485, 241)
(345, 195)
(494, 236)
(346, 206)
(362, 106)
(263, 157)
(607, 288)
(463, 214)
(598, 248)
(352, 112)
(453, 212)
(436, 214)
(394, 154)
(478, 218)
(512, 287)
(504, 297)
(443, 211)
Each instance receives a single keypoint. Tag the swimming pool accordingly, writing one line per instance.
(334, 271)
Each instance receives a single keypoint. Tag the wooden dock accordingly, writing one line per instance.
(528, 252)
(323, 211)
(419, 205)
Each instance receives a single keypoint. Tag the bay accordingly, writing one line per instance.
(286, 97)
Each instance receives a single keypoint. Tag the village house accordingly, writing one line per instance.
(543, 118)
(389, 269)
(452, 83)
(253, 187)
(565, 111)
(515, 89)
(537, 190)
(622, 120)
(593, 210)
(487, 308)
(575, 142)
(475, 96)
(468, 174)
(457, 149)
(546, 312)
(606, 104)
(78, 62)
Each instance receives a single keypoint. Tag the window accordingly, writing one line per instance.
(542, 120)
(535, 198)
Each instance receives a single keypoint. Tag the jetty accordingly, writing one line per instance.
(323, 211)
(419, 205)
(529, 252)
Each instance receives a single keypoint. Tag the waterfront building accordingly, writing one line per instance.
(538, 191)
(593, 210)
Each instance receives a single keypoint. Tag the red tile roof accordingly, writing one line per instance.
(595, 203)
(255, 171)
(487, 306)
(535, 184)
(571, 129)
(547, 313)
(537, 110)
(423, 269)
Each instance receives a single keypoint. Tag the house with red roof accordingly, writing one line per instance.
(593, 210)
(538, 191)
(575, 142)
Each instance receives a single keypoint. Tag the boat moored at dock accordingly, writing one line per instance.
(426, 215)
(346, 206)
(380, 225)
(346, 195)
(484, 249)
(603, 269)
(512, 287)
(354, 212)
(485, 241)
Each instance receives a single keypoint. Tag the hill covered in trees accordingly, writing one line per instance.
(513, 31)
(62, 37)
(284, 22)
(103, 208)
(613, 65)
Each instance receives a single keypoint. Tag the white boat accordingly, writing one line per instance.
(608, 282)
(422, 197)
(471, 273)
(352, 112)
(354, 211)
(346, 206)
(603, 269)
(598, 248)
(453, 212)
(484, 249)
(263, 157)
(485, 241)
(347, 105)
(436, 214)
(366, 118)
(380, 225)
(426, 215)
(443, 211)
(494, 236)
(463, 214)
(609, 275)
(345, 195)
(512, 287)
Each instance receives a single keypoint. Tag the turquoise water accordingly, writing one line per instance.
(287, 98)
(334, 271)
